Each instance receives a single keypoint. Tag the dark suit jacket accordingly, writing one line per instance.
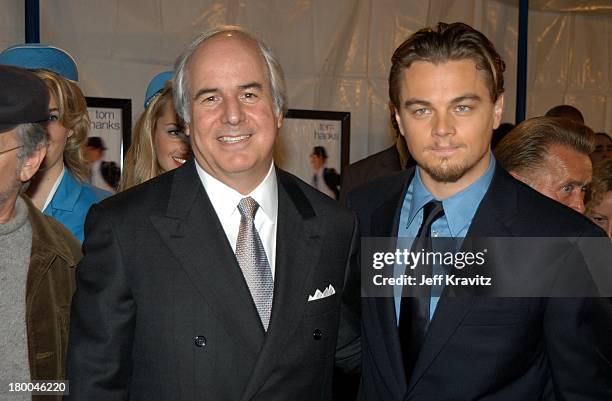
(162, 311)
(388, 161)
(365, 170)
(480, 348)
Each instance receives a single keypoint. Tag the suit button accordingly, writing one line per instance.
(199, 341)
(317, 334)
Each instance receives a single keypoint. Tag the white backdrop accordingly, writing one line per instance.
(336, 54)
(12, 22)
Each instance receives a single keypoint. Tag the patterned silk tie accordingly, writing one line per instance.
(253, 262)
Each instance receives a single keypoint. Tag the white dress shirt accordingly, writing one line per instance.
(54, 188)
(225, 202)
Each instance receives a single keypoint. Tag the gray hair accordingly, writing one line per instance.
(276, 78)
(524, 148)
(31, 137)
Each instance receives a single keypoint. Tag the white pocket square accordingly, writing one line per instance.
(328, 292)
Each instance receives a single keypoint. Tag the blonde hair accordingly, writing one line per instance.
(73, 116)
(141, 162)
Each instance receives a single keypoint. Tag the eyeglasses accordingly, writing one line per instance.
(11, 149)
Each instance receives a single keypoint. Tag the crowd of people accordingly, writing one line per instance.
(203, 271)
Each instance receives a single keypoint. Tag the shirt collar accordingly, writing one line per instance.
(459, 209)
(65, 192)
(225, 199)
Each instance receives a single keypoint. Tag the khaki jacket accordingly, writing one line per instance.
(49, 289)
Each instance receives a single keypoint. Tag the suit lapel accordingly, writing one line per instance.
(497, 207)
(194, 235)
(298, 246)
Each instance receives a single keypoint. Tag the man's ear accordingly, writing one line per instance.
(498, 111)
(32, 163)
(279, 120)
(398, 120)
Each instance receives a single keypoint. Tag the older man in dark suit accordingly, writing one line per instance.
(446, 83)
(226, 279)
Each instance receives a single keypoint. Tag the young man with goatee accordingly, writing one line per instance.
(446, 83)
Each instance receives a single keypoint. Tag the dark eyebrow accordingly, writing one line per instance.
(467, 97)
(413, 101)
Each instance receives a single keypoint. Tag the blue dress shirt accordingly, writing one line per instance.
(459, 211)
(72, 201)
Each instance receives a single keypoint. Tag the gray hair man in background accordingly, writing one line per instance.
(551, 155)
(37, 254)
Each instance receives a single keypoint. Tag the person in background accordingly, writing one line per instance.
(60, 188)
(159, 143)
(567, 112)
(603, 147)
(325, 179)
(94, 151)
(551, 155)
(598, 197)
(37, 254)
(388, 161)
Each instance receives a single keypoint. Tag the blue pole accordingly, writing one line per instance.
(32, 21)
(521, 61)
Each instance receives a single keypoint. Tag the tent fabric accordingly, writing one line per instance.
(12, 23)
(336, 55)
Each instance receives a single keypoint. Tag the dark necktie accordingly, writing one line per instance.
(414, 311)
(253, 262)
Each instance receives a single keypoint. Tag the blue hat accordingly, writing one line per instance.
(34, 55)
(156, 85)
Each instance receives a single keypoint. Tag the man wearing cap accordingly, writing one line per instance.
(37, 254)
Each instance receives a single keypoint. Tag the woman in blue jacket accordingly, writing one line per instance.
(60, 188)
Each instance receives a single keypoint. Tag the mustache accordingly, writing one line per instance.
(445, 145)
